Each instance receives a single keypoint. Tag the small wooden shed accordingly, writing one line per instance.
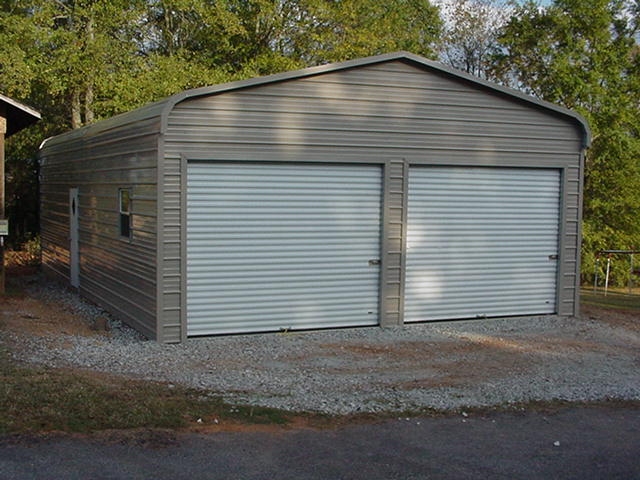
(14, 116)
(379, 191)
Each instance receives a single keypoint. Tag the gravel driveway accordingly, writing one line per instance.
(444, 365)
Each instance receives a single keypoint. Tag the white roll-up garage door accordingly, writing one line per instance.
(481, 242)
(282, 246)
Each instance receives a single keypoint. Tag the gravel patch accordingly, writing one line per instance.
(444, 365)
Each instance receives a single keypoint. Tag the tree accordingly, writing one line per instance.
(347, 29)
(67, 48)
(84, 42)
(255, 37)
(16, 69)
(584, 55)
(471, 34)
(56, 56)
(78, 61)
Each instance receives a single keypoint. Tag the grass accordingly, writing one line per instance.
(35, 399)
(613, 299)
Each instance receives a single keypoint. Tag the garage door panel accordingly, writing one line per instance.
(274, 288)
(311, 238)
(481, 242)
(275, 246)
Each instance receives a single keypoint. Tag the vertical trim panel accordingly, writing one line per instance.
(393, 245)
(282, 246)
(386, 289)
(405, 232)
(578, 246)
(184, 188)
(562, 229)
(482, 242)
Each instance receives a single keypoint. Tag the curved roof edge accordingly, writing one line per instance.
(150, 110)
(172, 101)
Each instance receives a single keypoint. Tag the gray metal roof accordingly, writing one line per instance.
(19, 116)
(164, 107)
(396, 56)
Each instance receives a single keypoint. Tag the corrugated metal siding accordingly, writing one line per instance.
(282, 246)
(479, 242)
(117, 274)
(373, 113)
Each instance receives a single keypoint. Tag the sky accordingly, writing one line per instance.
(496, 4)
(543, 3)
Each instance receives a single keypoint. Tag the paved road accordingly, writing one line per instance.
(594, 443)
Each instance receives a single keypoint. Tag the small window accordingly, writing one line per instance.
(124, 195)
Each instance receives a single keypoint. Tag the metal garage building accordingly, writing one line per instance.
(384, 190)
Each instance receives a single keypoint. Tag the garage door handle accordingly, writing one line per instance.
(553, 257)
(374, 262)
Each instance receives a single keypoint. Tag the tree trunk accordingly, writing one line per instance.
(76, 109)
(88, 104)
(88, 93)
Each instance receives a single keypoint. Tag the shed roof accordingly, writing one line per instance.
(18, 115)
(164, 107)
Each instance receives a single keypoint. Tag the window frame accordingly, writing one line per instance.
(125, 226)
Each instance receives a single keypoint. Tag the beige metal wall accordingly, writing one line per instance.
(116, 273)
(394, 113)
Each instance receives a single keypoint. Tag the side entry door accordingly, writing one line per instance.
(74, 251)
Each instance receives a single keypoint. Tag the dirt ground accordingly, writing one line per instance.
(23, 314)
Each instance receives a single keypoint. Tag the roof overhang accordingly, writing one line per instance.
(18, 115)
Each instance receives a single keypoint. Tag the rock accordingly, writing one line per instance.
(101, 324)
